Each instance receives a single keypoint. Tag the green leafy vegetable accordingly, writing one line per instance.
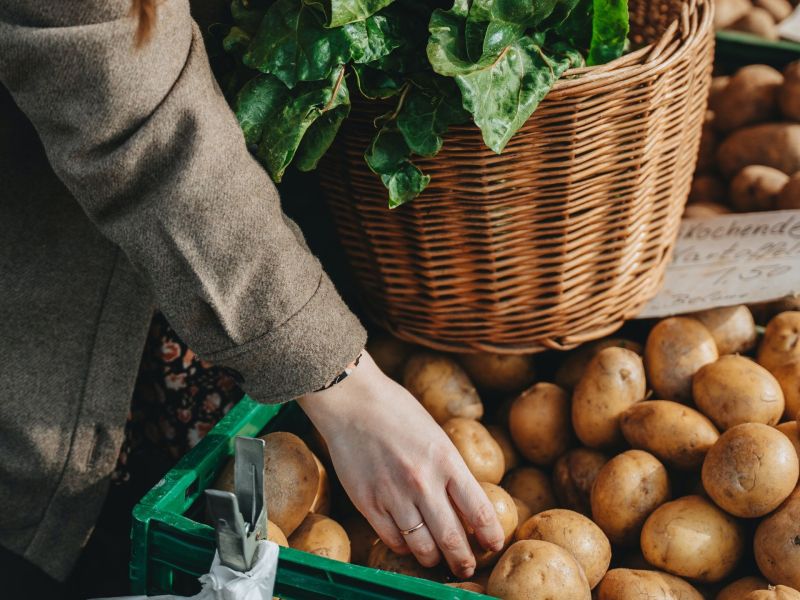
(609, 31)
(342, 12)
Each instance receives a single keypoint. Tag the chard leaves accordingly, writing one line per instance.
(610, 26)
(342, 12)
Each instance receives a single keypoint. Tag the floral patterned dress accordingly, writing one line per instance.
(177, 399)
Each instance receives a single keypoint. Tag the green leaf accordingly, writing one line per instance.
(319, 137)
(388, 156)
(258, 101)
(404, 184)
(342, 12)
(236, 41)
(610, 26)
(576, 29)
(248, 16)
(373, 38)
(375, 83)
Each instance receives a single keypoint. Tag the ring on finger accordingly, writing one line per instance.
(419, 525)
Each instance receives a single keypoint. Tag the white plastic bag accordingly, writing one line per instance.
(223, 583)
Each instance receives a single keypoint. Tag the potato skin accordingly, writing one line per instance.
(790, 430)
(788, 376)
(779, 592)
(323, 536)
(382, 557)
(789, 196)
(531, 486)
(676, 434)
(274, 534)
(389, 353)
(575, 533)
(781, 343)
(776, 545)
(676, 349)
(523, 514)
(735, 390)
(503, 439)
(751, 96)
(507, 373)
(741, 587)
(632, 584)
(758, 22)
(442, 387)
(732, 327)
(539, 423)
(627, 489)
(555, 571)
(573, 477)
(571, 370)
(774, 145)
(471, 586)
(506, 511)
(690, 537)
(477, 447)
(789, 94)
(777, 9)
(750, 470)
(362, 538)
(707, 188)
(613, 380)
(729, 11)
(699, 210)
(756, 188)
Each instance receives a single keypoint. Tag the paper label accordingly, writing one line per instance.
(731, 259)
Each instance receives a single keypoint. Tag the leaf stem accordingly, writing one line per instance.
(400, 101)
(335, 91)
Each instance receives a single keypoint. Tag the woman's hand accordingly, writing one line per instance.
(399, 469)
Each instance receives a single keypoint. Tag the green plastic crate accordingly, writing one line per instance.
(735, 49)
(171, 547)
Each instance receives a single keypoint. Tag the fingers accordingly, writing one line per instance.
(478, 513)
(418, 541)
(386, 529)
(449, 534)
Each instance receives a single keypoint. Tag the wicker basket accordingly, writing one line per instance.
(562, 237)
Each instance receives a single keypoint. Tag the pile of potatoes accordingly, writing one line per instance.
(759, 17)
(749, 157)
(666, 469)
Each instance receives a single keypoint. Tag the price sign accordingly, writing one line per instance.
(731, 259)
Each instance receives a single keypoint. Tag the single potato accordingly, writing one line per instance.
(791, 431)
(789, 196)
(676, 434)
(575, 533)
(781, 343)
(777, 543)
(627, 489)
(442, 386)
(573, 477)
(774, 145)
(539, 423)
(481, 453)
(751, 96)
(632, 584)
(322, 499)
(274, 534)
(730, 11)
(532, 486)
(735, 390)
(323, 536)
(613, 380)
(507, 373)
(788, 376)
(756, 188)
(676, 349)
(503, 439)
(741, 587)
(554, 570)
(706, 155)
(778, 592)
(732, 327)
(758, 22)
(571, 370)
(506, 511)
(523, 514)
(690, 537)
(789, 94)
(777, 9)
(750, 470)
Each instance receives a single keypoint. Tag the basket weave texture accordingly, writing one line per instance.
(562, 237)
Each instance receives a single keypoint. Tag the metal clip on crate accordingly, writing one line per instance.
(240, 519)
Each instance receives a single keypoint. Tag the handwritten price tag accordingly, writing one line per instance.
(731, 259)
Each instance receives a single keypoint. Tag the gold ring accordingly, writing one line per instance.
(413, 529)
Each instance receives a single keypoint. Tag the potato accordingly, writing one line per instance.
(531, 486)
(791, 431)
(735, 390)
(627, 489)
(322, 499)
(382, 557)
(389, 353)
(777, 9)
(507, 373)
(777, 543)
(501, 436)
(751, 96)
(362, 538)
(789, 94)
(756, 188)
(674, 433)
(774, 145)
(706, 153)
(750, 470)
(779, 592)
(470, 586)
(291, 479)
(323, 536)
(789, 197)
(719, 85)
(274, 534)
(788, 376)
(741, 587)
(537, 570)
(477, 447)
(523, 514)
(613, 380)
(708, 188)
(701, 210)
(781, 343)
(571, 370)
(573, 477)
(758, 22)
(732, 327)
(539, 423)
(676, 349)
(729, 11)
(318, 445)
(690, 537)
(442, 386)
(507, 514)
(631, 584)
(575, 533)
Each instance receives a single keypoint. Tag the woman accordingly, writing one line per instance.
(141, 193)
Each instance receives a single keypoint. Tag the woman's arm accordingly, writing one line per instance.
(148, 146)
